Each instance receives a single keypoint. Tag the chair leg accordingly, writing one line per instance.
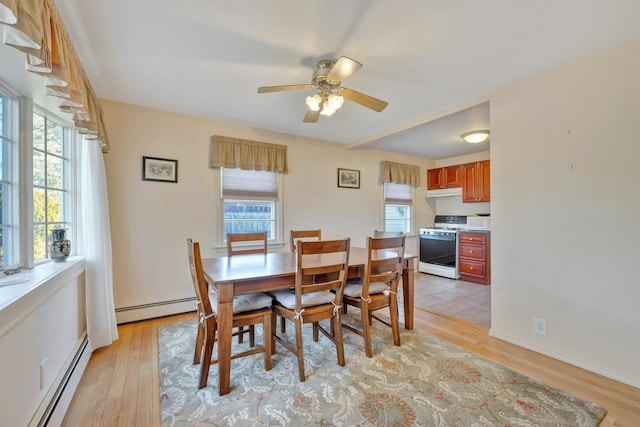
(393, 316)
(283, 325)
(241, 334)
(252, 336)
(366, 328)
(300, 349)
(273, 333)
(205, 362)
(337, 338)
(267, 340)
(199, 341)
(315, 331)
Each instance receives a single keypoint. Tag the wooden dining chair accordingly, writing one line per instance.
(296, 235)
(378, 288)
(313, 301)
(248, 310)
(380, 233)
(237, 243)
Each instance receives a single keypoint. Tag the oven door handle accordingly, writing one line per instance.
(444, 238)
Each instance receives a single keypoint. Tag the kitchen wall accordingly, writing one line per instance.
(453, 205)
(152, 220)
(565, 207)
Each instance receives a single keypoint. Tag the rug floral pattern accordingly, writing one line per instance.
(424, 382)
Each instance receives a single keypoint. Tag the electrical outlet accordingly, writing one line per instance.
(540, 326)
(43, 374)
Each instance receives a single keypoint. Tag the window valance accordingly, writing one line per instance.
(248, 155)
(399, 173)
(35, 28)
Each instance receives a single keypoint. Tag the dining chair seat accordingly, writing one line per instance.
(243, 303)
(288, 298)
(354, 289)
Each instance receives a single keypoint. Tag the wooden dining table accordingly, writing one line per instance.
(237, 275)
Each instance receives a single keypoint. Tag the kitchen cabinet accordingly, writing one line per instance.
(474, 260)
(476, 185)
(447, 177)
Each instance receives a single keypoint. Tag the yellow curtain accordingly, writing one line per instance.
(399, 173)
(35, 28)
(249, 155)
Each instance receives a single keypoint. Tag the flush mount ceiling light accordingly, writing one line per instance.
(475, 136)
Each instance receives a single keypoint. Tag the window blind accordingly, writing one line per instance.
(249, 184)
(397, 194)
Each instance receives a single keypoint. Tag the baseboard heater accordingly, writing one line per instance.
(155, 309)
(52, 410)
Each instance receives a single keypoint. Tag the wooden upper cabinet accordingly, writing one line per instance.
(476, 182)
(447, 177)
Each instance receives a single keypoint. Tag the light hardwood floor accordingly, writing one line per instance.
(120, 385)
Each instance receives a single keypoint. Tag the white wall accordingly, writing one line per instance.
(566, 210)
(40, 333)
(150, 221)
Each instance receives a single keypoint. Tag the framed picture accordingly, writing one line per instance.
(348, 178)
(156, 169)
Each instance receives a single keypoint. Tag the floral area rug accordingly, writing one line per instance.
(424, 382)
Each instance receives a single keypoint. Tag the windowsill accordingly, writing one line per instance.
(34, 287)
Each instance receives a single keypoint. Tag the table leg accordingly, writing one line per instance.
(225, 327)
(408, 274)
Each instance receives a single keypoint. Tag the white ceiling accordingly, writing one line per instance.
(433, 61)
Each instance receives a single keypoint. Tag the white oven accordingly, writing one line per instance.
(439, 252)
(439, 246)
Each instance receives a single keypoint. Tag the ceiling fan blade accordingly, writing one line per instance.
(311, 116)
(267, 89)
(342, 69)
(365, 100)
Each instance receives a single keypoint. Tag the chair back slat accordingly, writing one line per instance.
(297, 235)
(380, 233)
(244, 238)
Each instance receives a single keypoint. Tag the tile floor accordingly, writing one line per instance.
(463, 300)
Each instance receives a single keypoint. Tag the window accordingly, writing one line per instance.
(7, 248)
(50, 181)
(398, 207)
(250, 202)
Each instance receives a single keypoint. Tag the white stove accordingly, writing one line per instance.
(439, 248)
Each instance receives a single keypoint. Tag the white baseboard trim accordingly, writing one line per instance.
(600, 371)
(157, 309)
(54, 406)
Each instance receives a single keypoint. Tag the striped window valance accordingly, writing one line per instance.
(35, 28)
(236, 153)
(399, 173)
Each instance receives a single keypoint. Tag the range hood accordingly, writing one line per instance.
(445, 192)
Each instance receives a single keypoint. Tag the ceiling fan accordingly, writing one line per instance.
(327, 78)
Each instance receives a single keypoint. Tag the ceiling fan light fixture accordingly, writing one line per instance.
(331, 104)
(313, 102)
(475, 136)
(334, 101)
